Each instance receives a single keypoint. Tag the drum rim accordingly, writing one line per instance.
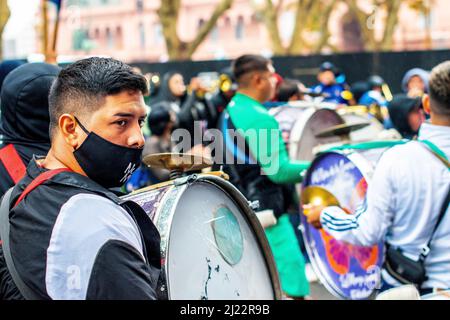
(363, 166)
(241, 202)
(297, 130)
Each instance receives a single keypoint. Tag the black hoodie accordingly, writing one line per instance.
(24, 120)
(191, 108)
(399, 109)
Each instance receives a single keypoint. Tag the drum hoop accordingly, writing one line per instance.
(151, 188)
(373, 144)
(297, 130)
(236, 196)
(164, 225)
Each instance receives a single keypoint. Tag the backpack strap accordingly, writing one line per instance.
(444, 208)
(47, 175)
(24, 289)
(438, 153)
(13, 163)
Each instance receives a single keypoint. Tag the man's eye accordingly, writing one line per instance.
(141, 123)
(121, 123)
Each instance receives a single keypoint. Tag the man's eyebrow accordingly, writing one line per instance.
(123, 114)
(128, 115)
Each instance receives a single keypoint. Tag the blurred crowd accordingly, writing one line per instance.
(176, 103)
(198, 105)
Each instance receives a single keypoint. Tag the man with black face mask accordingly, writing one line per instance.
(69, 236)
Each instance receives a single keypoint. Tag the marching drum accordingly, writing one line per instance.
(300, 126)
(342, 175)
(212, 244)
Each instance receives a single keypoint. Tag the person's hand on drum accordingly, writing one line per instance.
(312, 213)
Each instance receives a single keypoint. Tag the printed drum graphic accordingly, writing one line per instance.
(347, 271)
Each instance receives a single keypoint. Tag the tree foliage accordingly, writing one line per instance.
(4, 17)
(177, 49)
(310, 16)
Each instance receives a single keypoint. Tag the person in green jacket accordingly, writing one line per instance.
(266, 179)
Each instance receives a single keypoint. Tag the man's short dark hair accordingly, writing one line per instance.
(440, 89)
(82, 87)
(287, 89)
(249, 63)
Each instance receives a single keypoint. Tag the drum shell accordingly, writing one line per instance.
(163, 205)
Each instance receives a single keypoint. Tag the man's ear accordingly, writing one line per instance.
(256, 79)
(426, 103)
(70, 132)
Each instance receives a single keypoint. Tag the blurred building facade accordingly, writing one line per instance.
(130, 29)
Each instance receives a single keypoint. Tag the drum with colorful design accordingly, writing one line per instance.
(212, 245)
(347, 271)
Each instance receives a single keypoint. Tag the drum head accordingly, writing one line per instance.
(347, 271)
(300, 127)
(213, 251)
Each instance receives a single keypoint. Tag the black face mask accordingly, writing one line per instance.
(108, 164)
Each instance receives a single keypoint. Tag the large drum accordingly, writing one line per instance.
(212, 245)
(301, 124)
(347, 271)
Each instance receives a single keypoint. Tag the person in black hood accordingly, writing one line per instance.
(6, 67)
(189, 107)
(406, 114)
(24, 122)
(173, 90)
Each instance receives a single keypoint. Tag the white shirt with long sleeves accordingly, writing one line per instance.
(402, 205)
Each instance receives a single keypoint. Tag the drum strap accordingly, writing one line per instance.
(438, 153)
(24, 289)
(444, 208)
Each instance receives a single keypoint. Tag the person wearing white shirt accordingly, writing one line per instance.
(409, 188)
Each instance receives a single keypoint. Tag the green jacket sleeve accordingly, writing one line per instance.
(268, 147)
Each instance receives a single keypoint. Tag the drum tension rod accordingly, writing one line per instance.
(183, 180)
